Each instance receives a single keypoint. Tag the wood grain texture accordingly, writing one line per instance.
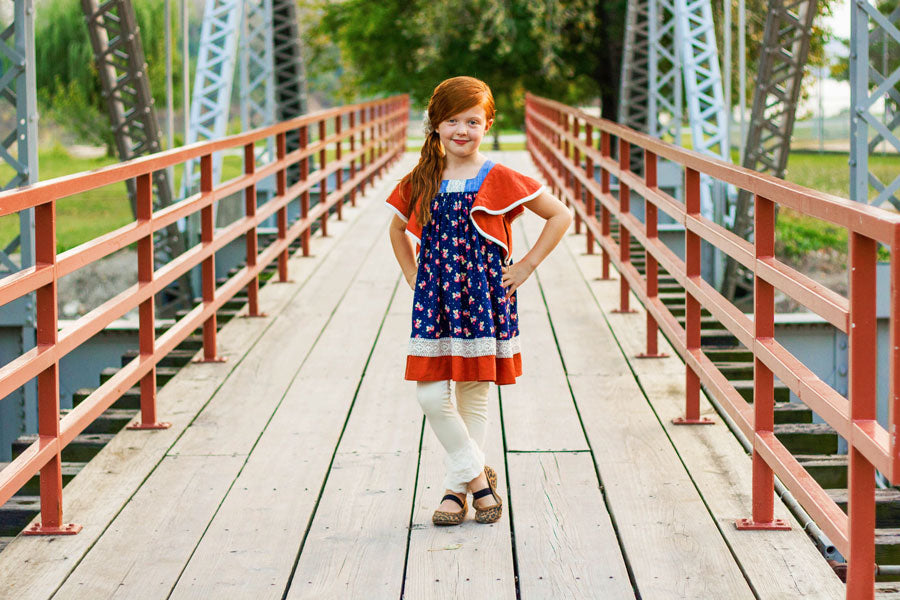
(33, 567)
(779, 564)
(565, 543)
(538, 409)
(662, 522)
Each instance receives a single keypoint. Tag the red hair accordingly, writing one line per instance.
(452, 96)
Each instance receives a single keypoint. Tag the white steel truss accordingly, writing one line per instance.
(211, 95)
(673, 42)
(870, 82)
(17, 90)
(257, 89)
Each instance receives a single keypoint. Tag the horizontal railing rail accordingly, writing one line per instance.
(376, 135)
(569, 162)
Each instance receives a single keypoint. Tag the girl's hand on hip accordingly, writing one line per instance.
(513, 276)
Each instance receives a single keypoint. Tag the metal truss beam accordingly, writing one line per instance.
(869, 83)
(665, 76)
(290, 76)
(635, 82)
(211, 96)
(783, 56)
(17, 91)
(119, 55)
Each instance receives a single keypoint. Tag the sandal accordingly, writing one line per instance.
(443, 517)
(491, 513)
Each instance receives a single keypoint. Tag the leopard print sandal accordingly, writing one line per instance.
(443, 517)
(494, 512)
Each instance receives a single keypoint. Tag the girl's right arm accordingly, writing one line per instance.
(403, 250)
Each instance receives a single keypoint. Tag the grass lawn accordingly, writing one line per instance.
(88, 215)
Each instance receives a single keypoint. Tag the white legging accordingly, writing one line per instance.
(461, 432)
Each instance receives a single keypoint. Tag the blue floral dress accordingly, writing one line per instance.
(463, 326)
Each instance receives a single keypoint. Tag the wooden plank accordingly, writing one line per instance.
(470, 560)
(778, 564)
(357, 540)
(538, 409)
(566, 546)
(33, 567)
(151, 539)
(251, 545)
(670, 540)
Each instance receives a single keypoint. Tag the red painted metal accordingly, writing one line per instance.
(624, 233)
(589, 172)
(871, 445)
(387, 132)
(652, 270)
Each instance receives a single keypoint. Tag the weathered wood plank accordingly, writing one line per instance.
(566, 546)
(538, 410)
(148, 543)
(253, 541)
(779, 564)
(661, 519)
(33, 567)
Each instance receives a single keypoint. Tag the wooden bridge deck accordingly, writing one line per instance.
(303, 467)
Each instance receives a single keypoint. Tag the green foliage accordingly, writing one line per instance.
(68, 86)
(546, 47)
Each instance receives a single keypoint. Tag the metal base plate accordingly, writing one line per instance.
(38, 529)
(159, 425)
(777, 525)
(700, 421)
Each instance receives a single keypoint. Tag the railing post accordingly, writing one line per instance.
(763, 480)
(304, 176)
(208, 268)
(624, 234)
(362, 144)
(588, 195)
(373, 140)
(280, 193)
(576, 183)
(48, 379)
(323, 182)
(692, 305)
(353, 161)
(146, 311)
(340, 170)
(252, 241)
(652, 267)
(863, 341)
(605, 191)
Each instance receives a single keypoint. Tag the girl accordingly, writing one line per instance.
(458, 206)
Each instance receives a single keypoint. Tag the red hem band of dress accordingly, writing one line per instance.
(502, 371)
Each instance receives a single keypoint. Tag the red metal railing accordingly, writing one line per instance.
(550, 139)
(383, 121)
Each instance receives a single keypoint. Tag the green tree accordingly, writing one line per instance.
(546, 47)
(68, 86)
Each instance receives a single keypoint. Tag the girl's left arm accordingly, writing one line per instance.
(558, 219)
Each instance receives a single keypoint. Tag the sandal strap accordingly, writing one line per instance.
(482, 493)
(454, 498)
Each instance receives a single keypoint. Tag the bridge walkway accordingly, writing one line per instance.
(303, 468)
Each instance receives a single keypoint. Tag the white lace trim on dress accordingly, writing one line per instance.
(467, 348)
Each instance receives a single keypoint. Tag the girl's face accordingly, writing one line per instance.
(462, 133)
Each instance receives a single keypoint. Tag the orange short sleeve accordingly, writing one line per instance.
(399, 202)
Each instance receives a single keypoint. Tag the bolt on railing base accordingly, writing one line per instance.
(38, 529)
(656, 355)
(140, 426)
(256, 316)
(215, 359)
(623, 312)
(750, 524)
(700, 421)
